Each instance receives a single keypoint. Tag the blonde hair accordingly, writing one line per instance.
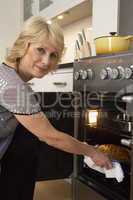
(36, 30)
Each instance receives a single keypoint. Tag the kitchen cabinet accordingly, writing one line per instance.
(47, 8)
(125, 17)
(59, 81)
(52, 8)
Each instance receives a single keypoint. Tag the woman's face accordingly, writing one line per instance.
(39, 59)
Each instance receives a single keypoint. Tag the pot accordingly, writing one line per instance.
(112, 44)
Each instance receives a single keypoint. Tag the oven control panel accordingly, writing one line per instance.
(117, 73)
(104, 73)
(84, 74)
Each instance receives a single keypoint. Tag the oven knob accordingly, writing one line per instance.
(90, 74)
(83, 74)
(103, 74)
(128, 73)
(121, 72)
(114, 74)
(76, 75)
(111, 74)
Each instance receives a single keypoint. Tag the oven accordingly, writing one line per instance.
(103, 102)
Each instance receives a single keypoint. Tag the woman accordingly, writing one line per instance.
(35, 53)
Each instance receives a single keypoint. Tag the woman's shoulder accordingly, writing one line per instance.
(9, 75)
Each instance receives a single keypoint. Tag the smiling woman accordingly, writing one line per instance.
(36, 52)
(38, 45)
(45, 58)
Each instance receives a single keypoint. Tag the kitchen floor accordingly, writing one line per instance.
(53, 190)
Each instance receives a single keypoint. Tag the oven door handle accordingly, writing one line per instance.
(126, 142)
(127, 98)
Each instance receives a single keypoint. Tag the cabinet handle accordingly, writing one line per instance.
(30, 83)
(127, 98)
(126, 142)
(60, 83)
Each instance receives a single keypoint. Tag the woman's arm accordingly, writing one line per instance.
(39, 125)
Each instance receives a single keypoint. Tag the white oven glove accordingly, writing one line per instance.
(115, 172)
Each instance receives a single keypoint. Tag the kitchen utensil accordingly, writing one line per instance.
(77, 51)
(112, 44)
(77, 44)
(80, 45)
(80, 38)
(85, 48)
(84, 36)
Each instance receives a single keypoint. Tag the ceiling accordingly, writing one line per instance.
(76, 13)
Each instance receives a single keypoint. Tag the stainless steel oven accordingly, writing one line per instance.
(103, 88)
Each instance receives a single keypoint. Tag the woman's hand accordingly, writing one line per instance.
(99, 158)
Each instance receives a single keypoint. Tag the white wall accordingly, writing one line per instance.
(70, 35)
(10, 21)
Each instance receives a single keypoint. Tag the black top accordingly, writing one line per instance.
(16, 97)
